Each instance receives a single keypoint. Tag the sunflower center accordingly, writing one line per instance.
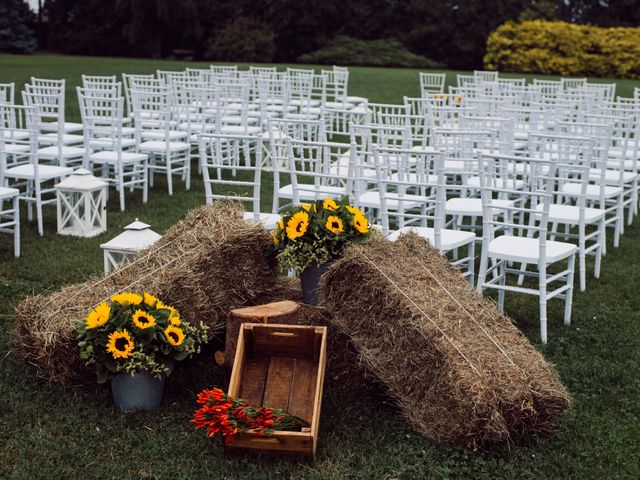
(121, 344)
(335, 225)
(299, 227)
(143, 320)
(174, 336)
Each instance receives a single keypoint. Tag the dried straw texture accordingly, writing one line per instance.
(460, 371)
(205, 265)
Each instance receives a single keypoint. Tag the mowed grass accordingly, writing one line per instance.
(47, 431)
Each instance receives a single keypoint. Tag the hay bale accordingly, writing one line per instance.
(205, 265)
(470, 382)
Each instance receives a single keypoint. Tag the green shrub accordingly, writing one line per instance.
(16, 35)
(243, 40)
(388, 52)
(564, 49)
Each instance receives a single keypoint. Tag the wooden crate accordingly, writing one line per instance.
(280, 366)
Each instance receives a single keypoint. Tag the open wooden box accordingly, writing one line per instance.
(280, 366)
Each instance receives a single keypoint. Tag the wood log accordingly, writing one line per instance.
(284, 312)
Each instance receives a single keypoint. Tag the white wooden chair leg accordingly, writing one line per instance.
(543, 302)
(568, 301)
(16, 219)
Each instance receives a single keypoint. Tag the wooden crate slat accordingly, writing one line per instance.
(253, 379)
(278, 387)
(303, 387)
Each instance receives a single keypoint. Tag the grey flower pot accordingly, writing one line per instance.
(137, 392)
(309, 279)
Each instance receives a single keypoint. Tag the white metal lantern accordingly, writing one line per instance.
(136, 237)
(82, 205)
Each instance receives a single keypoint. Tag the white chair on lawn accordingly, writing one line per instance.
(57, 88)
(432, 83)
(61, 148)
(121, 166)
(227, 179)
(534, 249)
(411, 198)
(10, 215)
(309, 172)
(35, 181)
(169, 150)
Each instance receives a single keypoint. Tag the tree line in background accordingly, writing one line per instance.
(408, 32)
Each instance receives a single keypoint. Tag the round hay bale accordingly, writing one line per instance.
(459, 370)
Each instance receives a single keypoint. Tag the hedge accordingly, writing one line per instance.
(562, 48)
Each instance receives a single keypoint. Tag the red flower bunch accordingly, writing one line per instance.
(226, 416)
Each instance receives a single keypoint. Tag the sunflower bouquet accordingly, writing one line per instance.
(316, 233)
(136, 333)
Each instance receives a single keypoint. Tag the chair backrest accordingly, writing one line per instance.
(412, 189)
(7, 93)
(572, 83)
(232, 168)
(128, 81)
(152, 110)
(530, 215)
(485, 75)
(336, 85)
(18, 127)
(310, 168)
(99, 82)
(432, 83)
(102, 118)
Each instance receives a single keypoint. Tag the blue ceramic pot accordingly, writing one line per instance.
(309, 278)
(137, 392)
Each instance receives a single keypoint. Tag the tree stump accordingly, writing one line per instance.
(284, 312)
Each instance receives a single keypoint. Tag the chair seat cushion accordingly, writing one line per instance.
(449, 240)
(8, 192)
(67, 139)
(161, 146)
(570, 214)
(527, 250)
(108, 143)
(162, 135)
(268, 220)
(310, 192)
(68, 127)
(593, 191)
(111, 157)
(472, 207)
(66, 152)
(45, 172)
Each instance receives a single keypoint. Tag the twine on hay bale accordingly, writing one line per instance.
(459, 370)
(204, 265)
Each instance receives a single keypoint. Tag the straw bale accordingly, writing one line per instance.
(460, 371)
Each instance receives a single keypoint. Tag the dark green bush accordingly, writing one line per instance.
(16, 35)
(243, 40)
(384, 52)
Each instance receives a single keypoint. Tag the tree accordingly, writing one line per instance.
(452, 32)
(16, 33)
(243, 40)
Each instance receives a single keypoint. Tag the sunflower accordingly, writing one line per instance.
(149, 299)
(334, 224)
(330, 204)
(143, 320)
(98, 316)
(174, 335)
(120, 344)
(354, 210)
(361, 223)
(174, 316)
(297, 225)
(125, 298)
(306, 206)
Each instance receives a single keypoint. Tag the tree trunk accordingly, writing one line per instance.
(285, 312)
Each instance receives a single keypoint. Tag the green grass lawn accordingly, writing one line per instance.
(47, 431)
